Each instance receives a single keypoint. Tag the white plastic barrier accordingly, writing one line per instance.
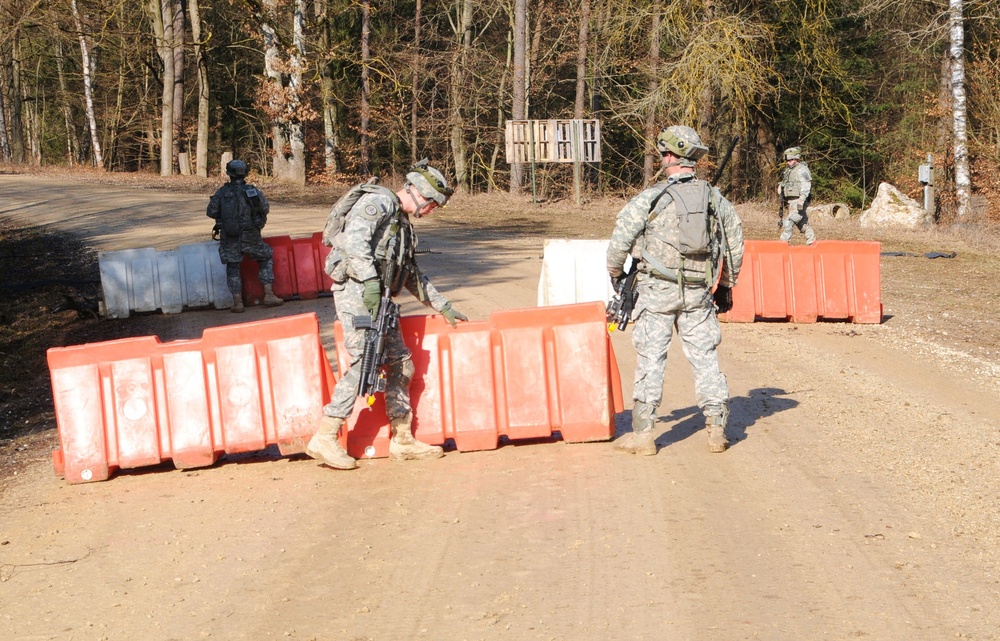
(574, 271)
(145, 280)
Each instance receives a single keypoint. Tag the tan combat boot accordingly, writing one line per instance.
(640, 441)
(270, 300)
(716, 428)
(403, 447)
(325, 447)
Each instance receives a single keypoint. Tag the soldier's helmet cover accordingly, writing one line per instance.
(430, 182)
(793, 153)
(236, 169)
(683, 142)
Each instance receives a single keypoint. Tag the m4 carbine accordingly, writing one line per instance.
(621, 305)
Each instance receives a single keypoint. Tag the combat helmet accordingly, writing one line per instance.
(236, 169)
(793, 153)
(430, 182)
(683, 142)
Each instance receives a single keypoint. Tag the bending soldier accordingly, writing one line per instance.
(374, 233)
(680, 231)
(795, 191)
(240, 212)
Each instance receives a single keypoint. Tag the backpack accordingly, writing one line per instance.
(682, 247)
(338, 213)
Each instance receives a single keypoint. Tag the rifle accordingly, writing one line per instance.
(377, 330)
(781, 210)
(620, 307)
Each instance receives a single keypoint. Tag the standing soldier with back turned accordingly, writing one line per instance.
(240, 212)
(679, 232)
(795, 191)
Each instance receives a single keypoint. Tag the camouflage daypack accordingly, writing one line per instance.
(338, 213)
(678, 246)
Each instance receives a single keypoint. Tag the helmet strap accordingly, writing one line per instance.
(416, 205)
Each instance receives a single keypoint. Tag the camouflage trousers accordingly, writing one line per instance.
(233, 249)
(700, 334)
(797, 217)
(399, 367)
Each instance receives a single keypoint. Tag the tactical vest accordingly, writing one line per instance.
(791, 181)
(678, 244)
(238, 210)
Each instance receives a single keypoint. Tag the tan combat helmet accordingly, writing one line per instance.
(793, 153)
(683, 142)
(430, 182)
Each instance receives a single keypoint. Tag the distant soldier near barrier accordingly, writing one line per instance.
(373, 257)
(680, 232)
(240, 212)
(795, 193)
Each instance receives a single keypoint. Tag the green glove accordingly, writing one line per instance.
(372, 295)
(452, 315)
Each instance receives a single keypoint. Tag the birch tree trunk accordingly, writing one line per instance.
(366, 29)
(519, 88)
(459, 64)
(651, 158)
(581, 93)
(88, 88)
(201, 152)
(963, 182)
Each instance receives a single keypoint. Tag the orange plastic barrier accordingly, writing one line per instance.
(832, 280)
(137, 402)
(522, 374)
(298, 269)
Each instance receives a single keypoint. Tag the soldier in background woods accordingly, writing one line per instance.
(795, 192)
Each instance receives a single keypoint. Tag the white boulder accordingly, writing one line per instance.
(893, 208)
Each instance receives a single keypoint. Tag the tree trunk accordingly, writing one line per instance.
(581, 94)
(288, 139)
(366, 29)
(201, 149)
(72, 144)
(459, 65)
(177, 47)
(652, 157)
(519, 88)
(11, 80)
(963, 182)
(417, 77)
(88, 89)
(330, 139)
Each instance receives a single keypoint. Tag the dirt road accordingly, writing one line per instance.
(861, 501)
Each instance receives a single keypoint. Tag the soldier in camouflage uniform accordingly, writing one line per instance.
(240, 212)
(794, 191)
(679, 232)
(377, 229)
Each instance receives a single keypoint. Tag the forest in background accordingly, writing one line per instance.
(330, 91)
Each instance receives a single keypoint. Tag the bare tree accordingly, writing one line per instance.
(459, 64)
(366, 91)
(519, 107)
(284, 101)
(88, 88)
(581, 93)
(201, 152)
(963, 182)
(651, 128)
(415, 80)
